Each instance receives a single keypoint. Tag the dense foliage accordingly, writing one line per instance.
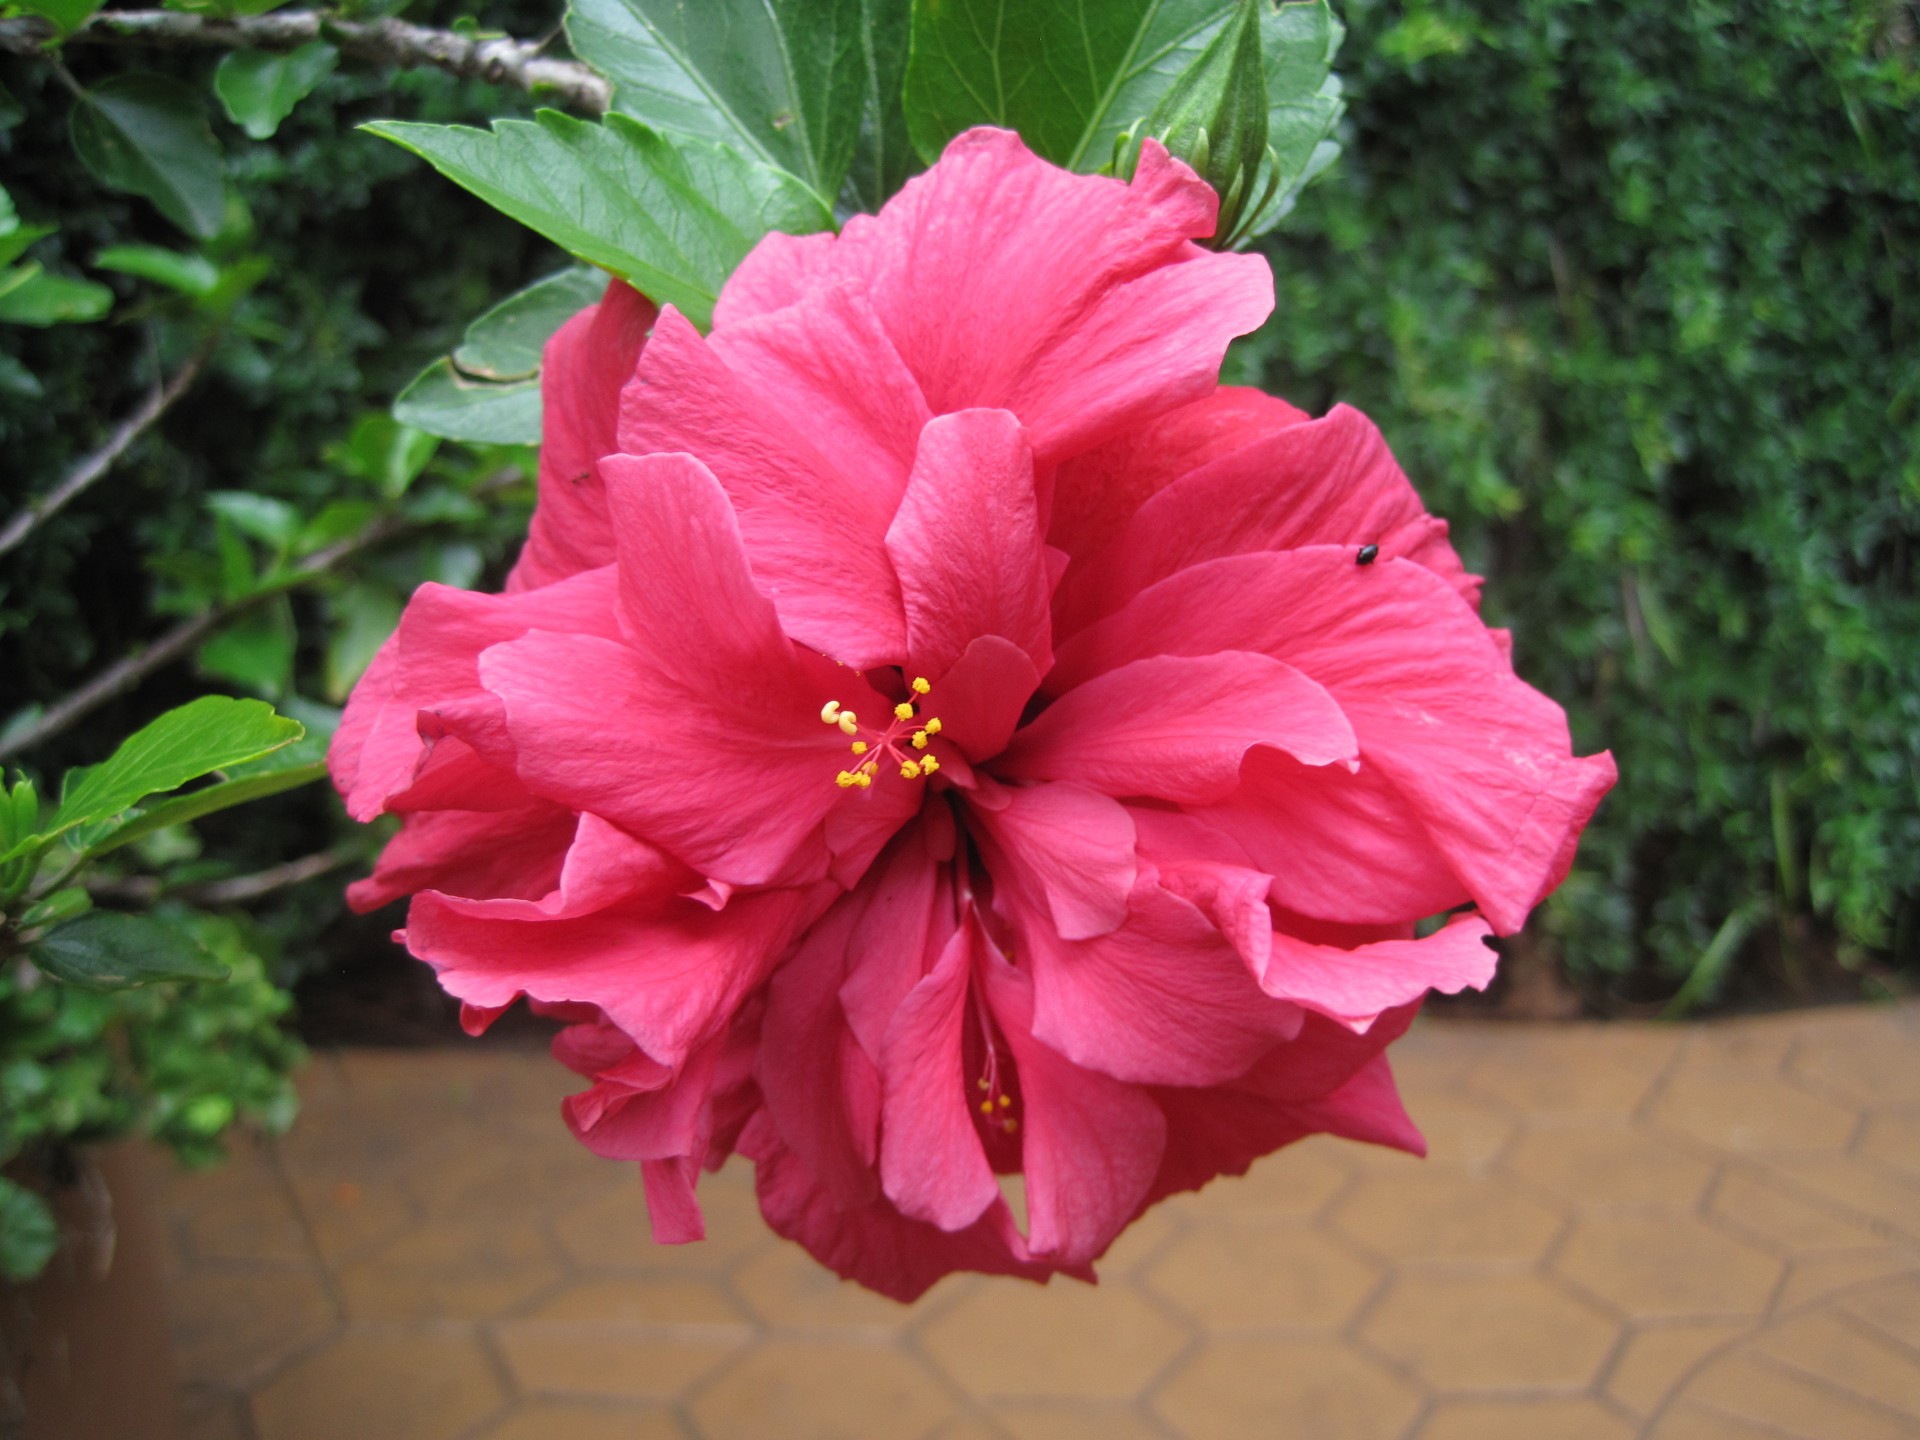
(1634, 291)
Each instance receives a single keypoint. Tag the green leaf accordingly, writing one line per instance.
(43, 299)
(67, 15)
(883, 155)
(241, 789)
(28, 1234)
(388, 454)
(363, 617)
(60, 906)
(442, 401)
(1069, 75)
(272, 522)
(196, 739)
(782, 82)
(193, 275)
(259, 89)
(506, 342)
(148, 134)
(17, 379)
(107, 950)
(256, 650)
(1298, 42)
(336, 520)
(673, 218)
(15, 237)
(12, 112)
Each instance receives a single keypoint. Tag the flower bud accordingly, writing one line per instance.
(1215, 118)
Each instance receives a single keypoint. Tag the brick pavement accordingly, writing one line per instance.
(1683, 1233)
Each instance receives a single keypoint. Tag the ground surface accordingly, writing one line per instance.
(1698, 1233)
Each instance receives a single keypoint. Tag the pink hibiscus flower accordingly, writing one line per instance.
(935, 733)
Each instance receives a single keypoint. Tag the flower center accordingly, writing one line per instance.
(902, 743)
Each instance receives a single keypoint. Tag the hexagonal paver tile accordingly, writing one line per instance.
(1697, 1423)
(1238, 1388)
(1872, 1064)
(1143, 1241)
(1656, 1359)
(1857, 1188)
(1468, 1331)
(507, 1182)
(452, 1269)
(1038, 1420)
(1743, 1110)
(1298, 1180)
(1524, 1420)
(1060, 1341)
(1653, 1266)
(786, 1286)
(1829, 1345)
(1608, 1162)
(624, 1337)
(610, 1230)
(1751, 1387)
(821, 1390)
(584, 1420)
(1463, 1133)
(1892, 1138)
(1893, 1309)
(230, 1326)
(1445, 1215)
(238, 1211)
(1285, 1275)
(397, 1384)
(1750, 1202)
(347, 1217)
(1567, 1069)
(1818, 1276)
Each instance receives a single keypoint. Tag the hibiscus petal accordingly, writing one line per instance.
(781, 270)
(1071, 849)
(1163, 1000)
(1356, 985)
(816, 535)
(1481, 758)
(966, 542)
(660, 1123)
(506, 854)
(1177, 726)
(1098, 491)
(980, 699)
(1116, 317)
(931, 1161)
(1330, 481)
(582, 370)
(1089, 1145)
(672, 1210)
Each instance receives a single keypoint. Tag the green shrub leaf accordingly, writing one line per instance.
(28, 1235)
(506, 342)
(108, 950)
(671, 217)
(193, 275)
(39, 298)
(442, 401)
(148, 134)
(784, 83)
(259, 89)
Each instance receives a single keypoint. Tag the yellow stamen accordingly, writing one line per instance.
(933, 726)
(903, 711)
(983, 1083)
(929, 765)
(846, 779)
(919, 739)
(863, 780)
(848, 722)
(986, 1107)
(910, 771)
(1005, 1101)
(922, 685)
(1010, 1125)
(859, 747)
(830, 711)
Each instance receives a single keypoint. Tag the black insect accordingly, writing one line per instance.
(1366, 554)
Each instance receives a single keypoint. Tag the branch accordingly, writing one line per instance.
(90, 469)
(145, 889)
(501, 61)
(125, 673)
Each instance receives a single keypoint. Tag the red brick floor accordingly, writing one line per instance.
(1683, 1233)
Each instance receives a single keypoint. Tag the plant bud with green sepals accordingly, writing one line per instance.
(1214, 117)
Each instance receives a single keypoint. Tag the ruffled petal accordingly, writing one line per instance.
(585, 365)
(1067, 848)
(1356, 985)
(1176, 727)
(967, 544)
(481, 854)
(816, 533)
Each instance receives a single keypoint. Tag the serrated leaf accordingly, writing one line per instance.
(1298, 42)
(506, 342)
(196, 739)
(442, 401)
(28, 1234)
(108, 950)
(259, 89)
(148, 134)
(193, 275)
(671, 217)
(781, 81)
(40, 298)
(243, 788)
(883, 155)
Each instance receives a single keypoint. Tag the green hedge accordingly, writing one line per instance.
(1634, 292)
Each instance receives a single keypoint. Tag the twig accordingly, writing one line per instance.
(501, 60)
(100, 461)
(129, 671)
(145, 889)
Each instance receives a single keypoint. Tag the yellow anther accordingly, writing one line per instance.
(1005, 1101)
(863, 780)
(919, 739)
(986, 1107)
(933, 726)
(859, 747)
(922, 685)
(830, 711)
(1010, 1125)
(903, 711)
(929, 765)
(848, 722)
(910, 771)
(983, 1083)
(845, 779)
